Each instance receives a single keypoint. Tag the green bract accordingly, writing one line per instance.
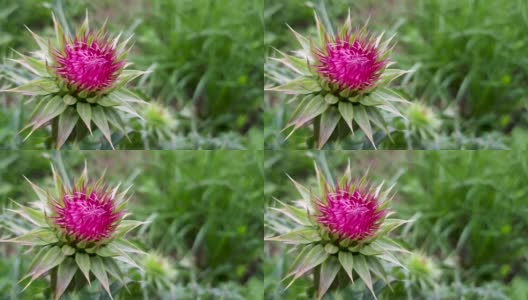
(422, 121)
(160, 272)
(330, 104)
(159, 122)
(67, 258)
(330, 256)
(69, 106)
(422, 270)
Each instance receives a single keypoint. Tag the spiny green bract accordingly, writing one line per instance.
(328, 253)
(80, 80)
(342, 81)
(422, 269)
(159, 122)
(422, 121)
(67, 253)
(160, 272)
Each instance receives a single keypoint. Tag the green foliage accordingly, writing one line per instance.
(327, 254)
(467, 59)
(470, 53)
(61, 253)
(469, 226)
(327, 103)
(206, 55)
(15, 14)
(206, 64)
(472, 207)
(205, 209)
(214, 195)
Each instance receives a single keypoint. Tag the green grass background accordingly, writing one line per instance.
(205, 210)
(469, 210)
(206, 59)
(468, 58)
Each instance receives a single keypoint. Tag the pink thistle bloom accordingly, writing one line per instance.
(87, 216)
(352, 214)
(353, 65)
(91, 66)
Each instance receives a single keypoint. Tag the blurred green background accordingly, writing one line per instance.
(468, 57)
(206, 59)
(205, 210)
(469, 209)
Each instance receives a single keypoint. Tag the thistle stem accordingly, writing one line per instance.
(317, 275)
(316, 125)
(54, 132)
(53, 282)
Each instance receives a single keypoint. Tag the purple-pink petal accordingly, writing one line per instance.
(353, 65)
(87, 216)
(88, 66)
(350, 214)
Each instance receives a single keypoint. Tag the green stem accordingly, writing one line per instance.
(317, 275)
(316, 125)
(54, 132)
(53, 282)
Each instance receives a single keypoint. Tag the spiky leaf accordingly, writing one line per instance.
(98, 269)
(347, 112)
(37, 237)
(313, 108)
(33, 215)
(50, 260)
(363, 121)
(100, 120)
(85, 112)
(65, 275)
(67, 121)
(314, 257)
(361, 268)
(36, 87)
(83, 261)
(329, 120)
(299, 86)
(347, 261)
(53, 108)
(300, 236)
(329, 270)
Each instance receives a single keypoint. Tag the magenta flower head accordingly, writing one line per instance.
(342, 227)
(89, 63)
(350, 63)
(87, 215)
(351, 213)
(340, 78)
(80, 81)
(78, 227)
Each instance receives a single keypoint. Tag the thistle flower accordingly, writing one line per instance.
(342, 228)
(350, 64)
(351, 214)
(422, 270)
(79, 78)
(422, 121)
(88, 66)
(159, 271)
(79, 228)
(87, 216)
(341, 79)
(159, 121)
